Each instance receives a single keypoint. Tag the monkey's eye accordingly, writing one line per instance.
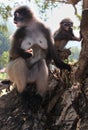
(69, 24)
(17, 17)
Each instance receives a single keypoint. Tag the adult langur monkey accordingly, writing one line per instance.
(64, 33)
(24, 67)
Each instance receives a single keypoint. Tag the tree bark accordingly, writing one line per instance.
(82, 70)
(74, 2)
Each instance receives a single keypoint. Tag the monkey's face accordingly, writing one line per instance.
(19, 20)
(67, 25)
(22, 16)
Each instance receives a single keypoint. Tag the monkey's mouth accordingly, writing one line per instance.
(70, 29)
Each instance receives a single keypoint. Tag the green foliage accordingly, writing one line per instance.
(75, 51)
(4, 43)
(4, 59)
(3, 28)
(5, 11)
(44, 6)
(3, 76)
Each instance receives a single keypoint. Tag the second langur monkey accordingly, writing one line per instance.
(23, 67)
(64, 33)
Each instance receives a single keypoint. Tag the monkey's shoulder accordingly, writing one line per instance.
(20, 33)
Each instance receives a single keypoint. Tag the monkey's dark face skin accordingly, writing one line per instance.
(18, 17)
(19, 20)
(22, 15)
(67, 26)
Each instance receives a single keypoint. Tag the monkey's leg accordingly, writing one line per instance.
(39, 75)
(42, 78)
(18, 72)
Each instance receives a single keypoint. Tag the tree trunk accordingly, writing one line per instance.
(82, 71)
(74, 2)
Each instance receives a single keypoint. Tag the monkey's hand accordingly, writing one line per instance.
(26, 54)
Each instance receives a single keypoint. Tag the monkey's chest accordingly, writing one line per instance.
(60, 45)
(34, 38)
(38, 54)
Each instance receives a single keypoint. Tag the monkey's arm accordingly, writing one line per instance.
(19, 53)
(56, 58)
(77, 38)
(16, 41)
(73, 37)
